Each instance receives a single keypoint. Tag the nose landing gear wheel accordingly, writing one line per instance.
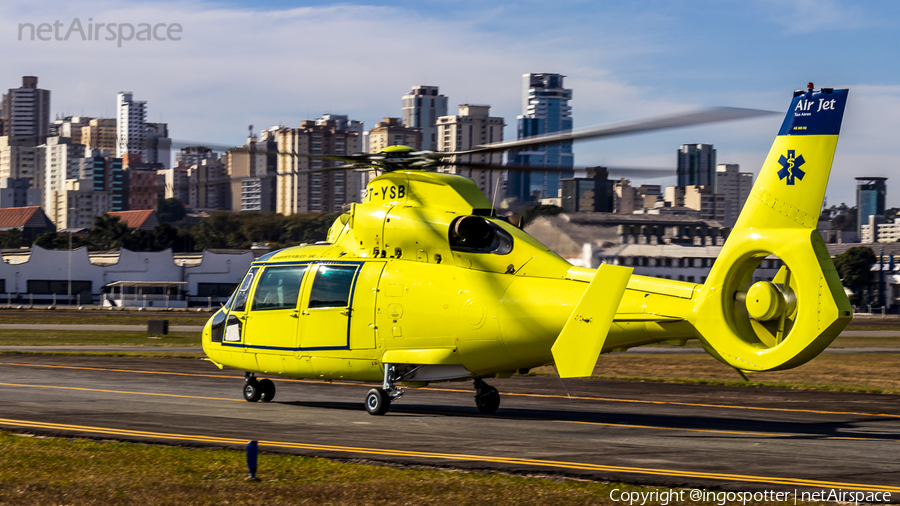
(487, 398)
(378, 402)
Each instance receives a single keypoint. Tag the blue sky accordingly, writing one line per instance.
(277, 63)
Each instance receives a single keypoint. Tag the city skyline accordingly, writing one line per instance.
(623, 62)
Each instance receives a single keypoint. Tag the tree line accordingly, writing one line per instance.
(221, 230)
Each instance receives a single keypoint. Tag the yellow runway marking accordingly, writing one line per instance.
(741, 433)
(510, 394)
(457, 456)
(630, 426)
(676, 403)
(189, 374)
(120, 392)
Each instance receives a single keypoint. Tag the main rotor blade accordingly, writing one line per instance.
(700, 117)
(362, 157)
(614, 171)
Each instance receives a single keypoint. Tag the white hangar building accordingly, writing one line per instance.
(42, 276)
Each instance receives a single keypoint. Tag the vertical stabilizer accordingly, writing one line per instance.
(791, 185)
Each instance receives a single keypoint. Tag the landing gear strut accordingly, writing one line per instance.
(256, 390)
(487, 398)
(378, 400)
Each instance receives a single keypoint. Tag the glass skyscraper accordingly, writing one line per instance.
(697, 166)
(870, 195)
(545, 110)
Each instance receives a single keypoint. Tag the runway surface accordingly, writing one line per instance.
(743, 439)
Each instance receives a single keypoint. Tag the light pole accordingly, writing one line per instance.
(70, 253)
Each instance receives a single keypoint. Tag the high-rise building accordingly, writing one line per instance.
(421, 109)
(341, 122)
(623, 197)
(20, 158)
(70, 126)
(697, 166)
(593, 194)
(315, 191)
(159, 145)
(18, 193)
(104, 174)
(702, 198)
(870, 195)
(473, 126)
(142, 187)
(193, 155)
(545, 110)
(251, 169)
(178, 184)
(735, 187)
(26, 111)
(80, 203)
(200, 179)
(61, 161)
(391, 132)
(210, 185)
(131, 130)
(100, 134)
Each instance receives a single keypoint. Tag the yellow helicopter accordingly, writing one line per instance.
(422, 282)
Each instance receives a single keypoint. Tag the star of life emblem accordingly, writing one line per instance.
(790, 167)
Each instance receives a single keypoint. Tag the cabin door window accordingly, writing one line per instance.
(325, 318)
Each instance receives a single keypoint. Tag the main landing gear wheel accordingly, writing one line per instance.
(378, 401)
(487, 398)
(268, 389)
(252, 390)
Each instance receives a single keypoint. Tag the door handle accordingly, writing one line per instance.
(346, 311)
(293, 314)
(304, 312)
(243, 316)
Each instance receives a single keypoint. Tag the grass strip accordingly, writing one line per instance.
(64, 337)
(102, 318)
(148, 354)
(40, 471)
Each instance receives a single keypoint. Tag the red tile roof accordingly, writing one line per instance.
(16, 216)
(133, 219)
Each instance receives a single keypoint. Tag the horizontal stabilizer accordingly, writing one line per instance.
(578, 346)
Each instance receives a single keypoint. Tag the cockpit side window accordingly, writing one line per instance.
(243, 291)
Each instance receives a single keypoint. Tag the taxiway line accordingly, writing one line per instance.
(121, 392)
(456, 390)
(742, 433)
(737, 432)
(453, 456)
